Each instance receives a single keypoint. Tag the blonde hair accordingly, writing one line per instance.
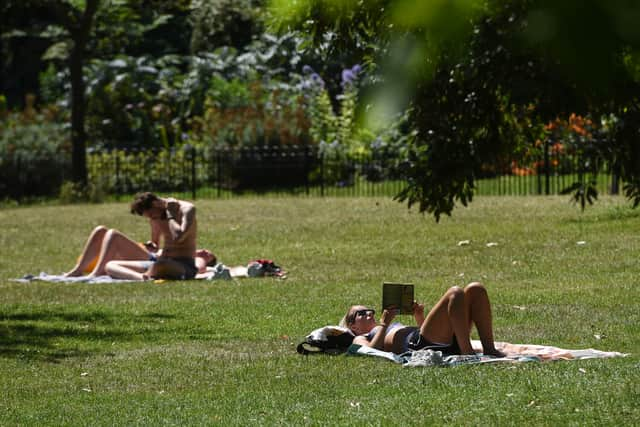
(347, 319)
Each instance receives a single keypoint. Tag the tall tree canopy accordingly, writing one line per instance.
(73, 31)
(481, 77)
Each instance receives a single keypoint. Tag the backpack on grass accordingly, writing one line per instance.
(329, 339)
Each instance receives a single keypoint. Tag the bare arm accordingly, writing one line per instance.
(378, 339)
(155, 233)
(418, 313)
(181, 216)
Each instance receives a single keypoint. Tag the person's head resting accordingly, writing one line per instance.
(144, 202)
(208, 256)
(359, 319)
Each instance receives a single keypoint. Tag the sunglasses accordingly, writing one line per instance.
(363, 313)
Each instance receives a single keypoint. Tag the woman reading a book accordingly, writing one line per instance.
(445, 328)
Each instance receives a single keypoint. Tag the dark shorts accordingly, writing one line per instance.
(190, 269)
(189, 264)
(415, 341)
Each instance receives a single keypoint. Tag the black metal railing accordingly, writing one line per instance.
(203, 172)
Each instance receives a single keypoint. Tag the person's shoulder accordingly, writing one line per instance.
(187, 205)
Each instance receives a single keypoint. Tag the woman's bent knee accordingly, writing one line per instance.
(110, 267)
(455, 293)
(475, 288)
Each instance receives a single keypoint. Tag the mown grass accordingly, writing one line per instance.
(214, 353)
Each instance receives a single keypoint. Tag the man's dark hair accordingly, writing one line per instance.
(142, 202)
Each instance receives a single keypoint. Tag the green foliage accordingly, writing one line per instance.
(34, 148)
(632, 191)
(138, 27)
(71, 193)
(153, 102)
(228, 94)
(251, 112)
(132, 102)
(477, 74)
(583, 192)
(54, 86)
(224, 23)
(130, 171)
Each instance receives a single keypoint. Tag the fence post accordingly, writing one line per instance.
(194, 184)
(305, 148)
(118, 186)
(615, 179)
(322, 174)
(546, 166)
(218, 171)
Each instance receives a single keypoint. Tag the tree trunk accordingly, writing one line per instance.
(78, 134)
(80, 36)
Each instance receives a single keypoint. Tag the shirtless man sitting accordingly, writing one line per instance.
(174, 223)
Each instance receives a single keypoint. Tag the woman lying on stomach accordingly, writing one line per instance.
(447, 326)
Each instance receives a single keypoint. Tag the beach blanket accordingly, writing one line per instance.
(256, 268)
(335, 340)
(514, 353)
(59, 278)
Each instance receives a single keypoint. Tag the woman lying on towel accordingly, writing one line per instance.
(108, 251)
(446, 327)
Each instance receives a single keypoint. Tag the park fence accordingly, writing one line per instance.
(228, 172)
(201, 172)
(307, 170)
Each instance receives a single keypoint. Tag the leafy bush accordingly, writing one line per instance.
(343, 139)
(252, 113)
(224, 23)
(128, 171)
(132, 102)
(71, 192)
(34, 153)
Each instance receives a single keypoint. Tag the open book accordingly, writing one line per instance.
(398, 295)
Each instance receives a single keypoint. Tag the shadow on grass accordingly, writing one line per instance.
(616, 213)
(53, 336)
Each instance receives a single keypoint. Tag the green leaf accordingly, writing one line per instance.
(158, 22)
(59, 51)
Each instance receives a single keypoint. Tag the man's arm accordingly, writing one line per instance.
(181, 216)
(155, 233)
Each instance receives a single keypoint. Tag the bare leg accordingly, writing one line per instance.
(449, 316)
(117, 246)
(90, 251)
(129, 270)
(479, 309)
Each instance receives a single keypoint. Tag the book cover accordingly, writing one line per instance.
(399, 295)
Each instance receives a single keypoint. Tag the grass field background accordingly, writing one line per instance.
(223, 352)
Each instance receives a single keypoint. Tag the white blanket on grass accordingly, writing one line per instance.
(514, 353)
(59, 278)
(219, 272)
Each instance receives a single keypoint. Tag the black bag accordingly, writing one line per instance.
(334, 344)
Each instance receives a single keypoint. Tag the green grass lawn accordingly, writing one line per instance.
(223, 353)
